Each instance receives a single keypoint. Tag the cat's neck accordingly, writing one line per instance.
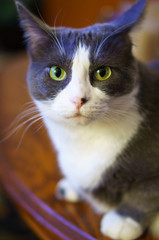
(81, 147)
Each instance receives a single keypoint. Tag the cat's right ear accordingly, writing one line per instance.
(130, 18)
(35, 31)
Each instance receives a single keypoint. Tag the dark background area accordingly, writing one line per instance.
(10, 32)
(12, 227)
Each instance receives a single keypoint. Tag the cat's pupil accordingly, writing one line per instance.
(57, 72)
(102, 72)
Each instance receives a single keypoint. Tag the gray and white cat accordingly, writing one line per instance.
(101, 109)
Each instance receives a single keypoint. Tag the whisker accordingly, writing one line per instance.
(107, 37)
(95, 49)
(51, 34)
(41, 124)
(60, 43)
(112, 120)
(116, 112)
(13, 131)
(30, 103)
(61, 39)
(26, 129)
(21, 116)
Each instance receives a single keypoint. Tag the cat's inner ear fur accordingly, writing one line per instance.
(35, 31)
(130, 19)
(119, 38)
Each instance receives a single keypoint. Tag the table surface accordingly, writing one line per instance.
(28, 167)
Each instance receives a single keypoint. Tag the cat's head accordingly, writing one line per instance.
(82, 75)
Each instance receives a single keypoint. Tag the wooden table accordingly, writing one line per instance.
(29, 172)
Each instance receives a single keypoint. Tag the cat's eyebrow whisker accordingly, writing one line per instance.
(55, 39)
(61, 49)
(98, 47)
(42, 19)
(59, 43)
(61, 40)
(107, 37)
(51, 34)
(95, 49)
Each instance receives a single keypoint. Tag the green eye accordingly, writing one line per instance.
(57, 73)
(103, 73)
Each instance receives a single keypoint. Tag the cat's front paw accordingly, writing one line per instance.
(121, 228)
(66, 192)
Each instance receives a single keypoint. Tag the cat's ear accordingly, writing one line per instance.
(35, 31)
(118, 40)
(130, 18)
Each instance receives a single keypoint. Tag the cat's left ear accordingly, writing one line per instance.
(130, 18)
(36, 32)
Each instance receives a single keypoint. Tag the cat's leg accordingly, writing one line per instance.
(116, 226)
(154, 227)
(65, 191)
(135, 213)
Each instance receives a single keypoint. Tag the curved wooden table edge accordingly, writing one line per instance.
(36, 208)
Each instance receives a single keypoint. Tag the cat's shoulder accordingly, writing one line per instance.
(154, 65)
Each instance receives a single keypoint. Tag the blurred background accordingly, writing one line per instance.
(73, 14)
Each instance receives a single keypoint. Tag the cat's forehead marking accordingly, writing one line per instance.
(81, 61)
(80, 71)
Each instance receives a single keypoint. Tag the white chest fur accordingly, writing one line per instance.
(85, 152)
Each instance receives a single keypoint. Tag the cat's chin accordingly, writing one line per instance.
(78, 120)
(74, 120)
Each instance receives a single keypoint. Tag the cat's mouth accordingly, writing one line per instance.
(77, 115)
(78, 118)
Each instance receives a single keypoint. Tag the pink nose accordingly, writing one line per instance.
(79, 102)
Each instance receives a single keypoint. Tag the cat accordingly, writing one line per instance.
(101, 108)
